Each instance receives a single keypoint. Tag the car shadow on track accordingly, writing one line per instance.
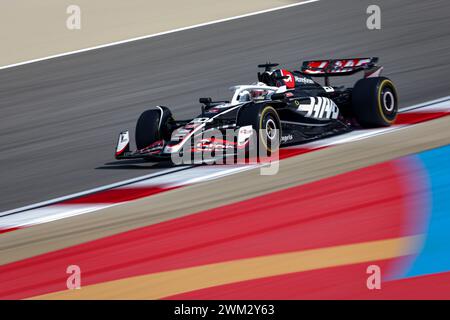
(137, 164)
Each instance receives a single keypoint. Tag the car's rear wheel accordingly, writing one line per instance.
(375, 102)
(152, 126)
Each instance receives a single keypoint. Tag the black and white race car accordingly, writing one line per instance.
(283, 108)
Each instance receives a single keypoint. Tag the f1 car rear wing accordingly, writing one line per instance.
(341, 67)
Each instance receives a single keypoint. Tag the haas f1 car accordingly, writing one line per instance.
(282, 108)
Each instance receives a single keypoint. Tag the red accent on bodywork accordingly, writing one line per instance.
(118, 153)
(290, 81)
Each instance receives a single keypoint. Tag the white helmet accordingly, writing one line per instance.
(245, 96)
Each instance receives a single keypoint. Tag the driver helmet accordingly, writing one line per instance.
(245, 96)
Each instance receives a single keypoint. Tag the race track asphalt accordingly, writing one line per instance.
(59, 119)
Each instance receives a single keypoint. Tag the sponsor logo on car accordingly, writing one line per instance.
(303, 80)
(287, 138)
(319, 108)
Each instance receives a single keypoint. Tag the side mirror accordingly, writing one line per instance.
(205, 100)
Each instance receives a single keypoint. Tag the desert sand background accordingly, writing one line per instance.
(33, 29)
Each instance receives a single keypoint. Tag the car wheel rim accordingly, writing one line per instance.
(388, 101)
(271, 129)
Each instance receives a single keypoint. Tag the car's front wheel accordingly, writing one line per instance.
(152, 126)
(265, 121)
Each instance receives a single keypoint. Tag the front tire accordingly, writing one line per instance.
(265, 121)
(152, 126)
(375, 102)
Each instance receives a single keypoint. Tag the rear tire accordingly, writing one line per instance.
(375, 102)
(152, 126)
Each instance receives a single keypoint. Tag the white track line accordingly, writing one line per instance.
(48, 214)
(90, 191)
(436, 103)
(55, 211)
(158, 34)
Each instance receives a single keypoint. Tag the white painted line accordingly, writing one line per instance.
(83, 193)
(57, 211)
(159, 34)
(435, 103)
(191, 176)
(48, 214)
(221, 172)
